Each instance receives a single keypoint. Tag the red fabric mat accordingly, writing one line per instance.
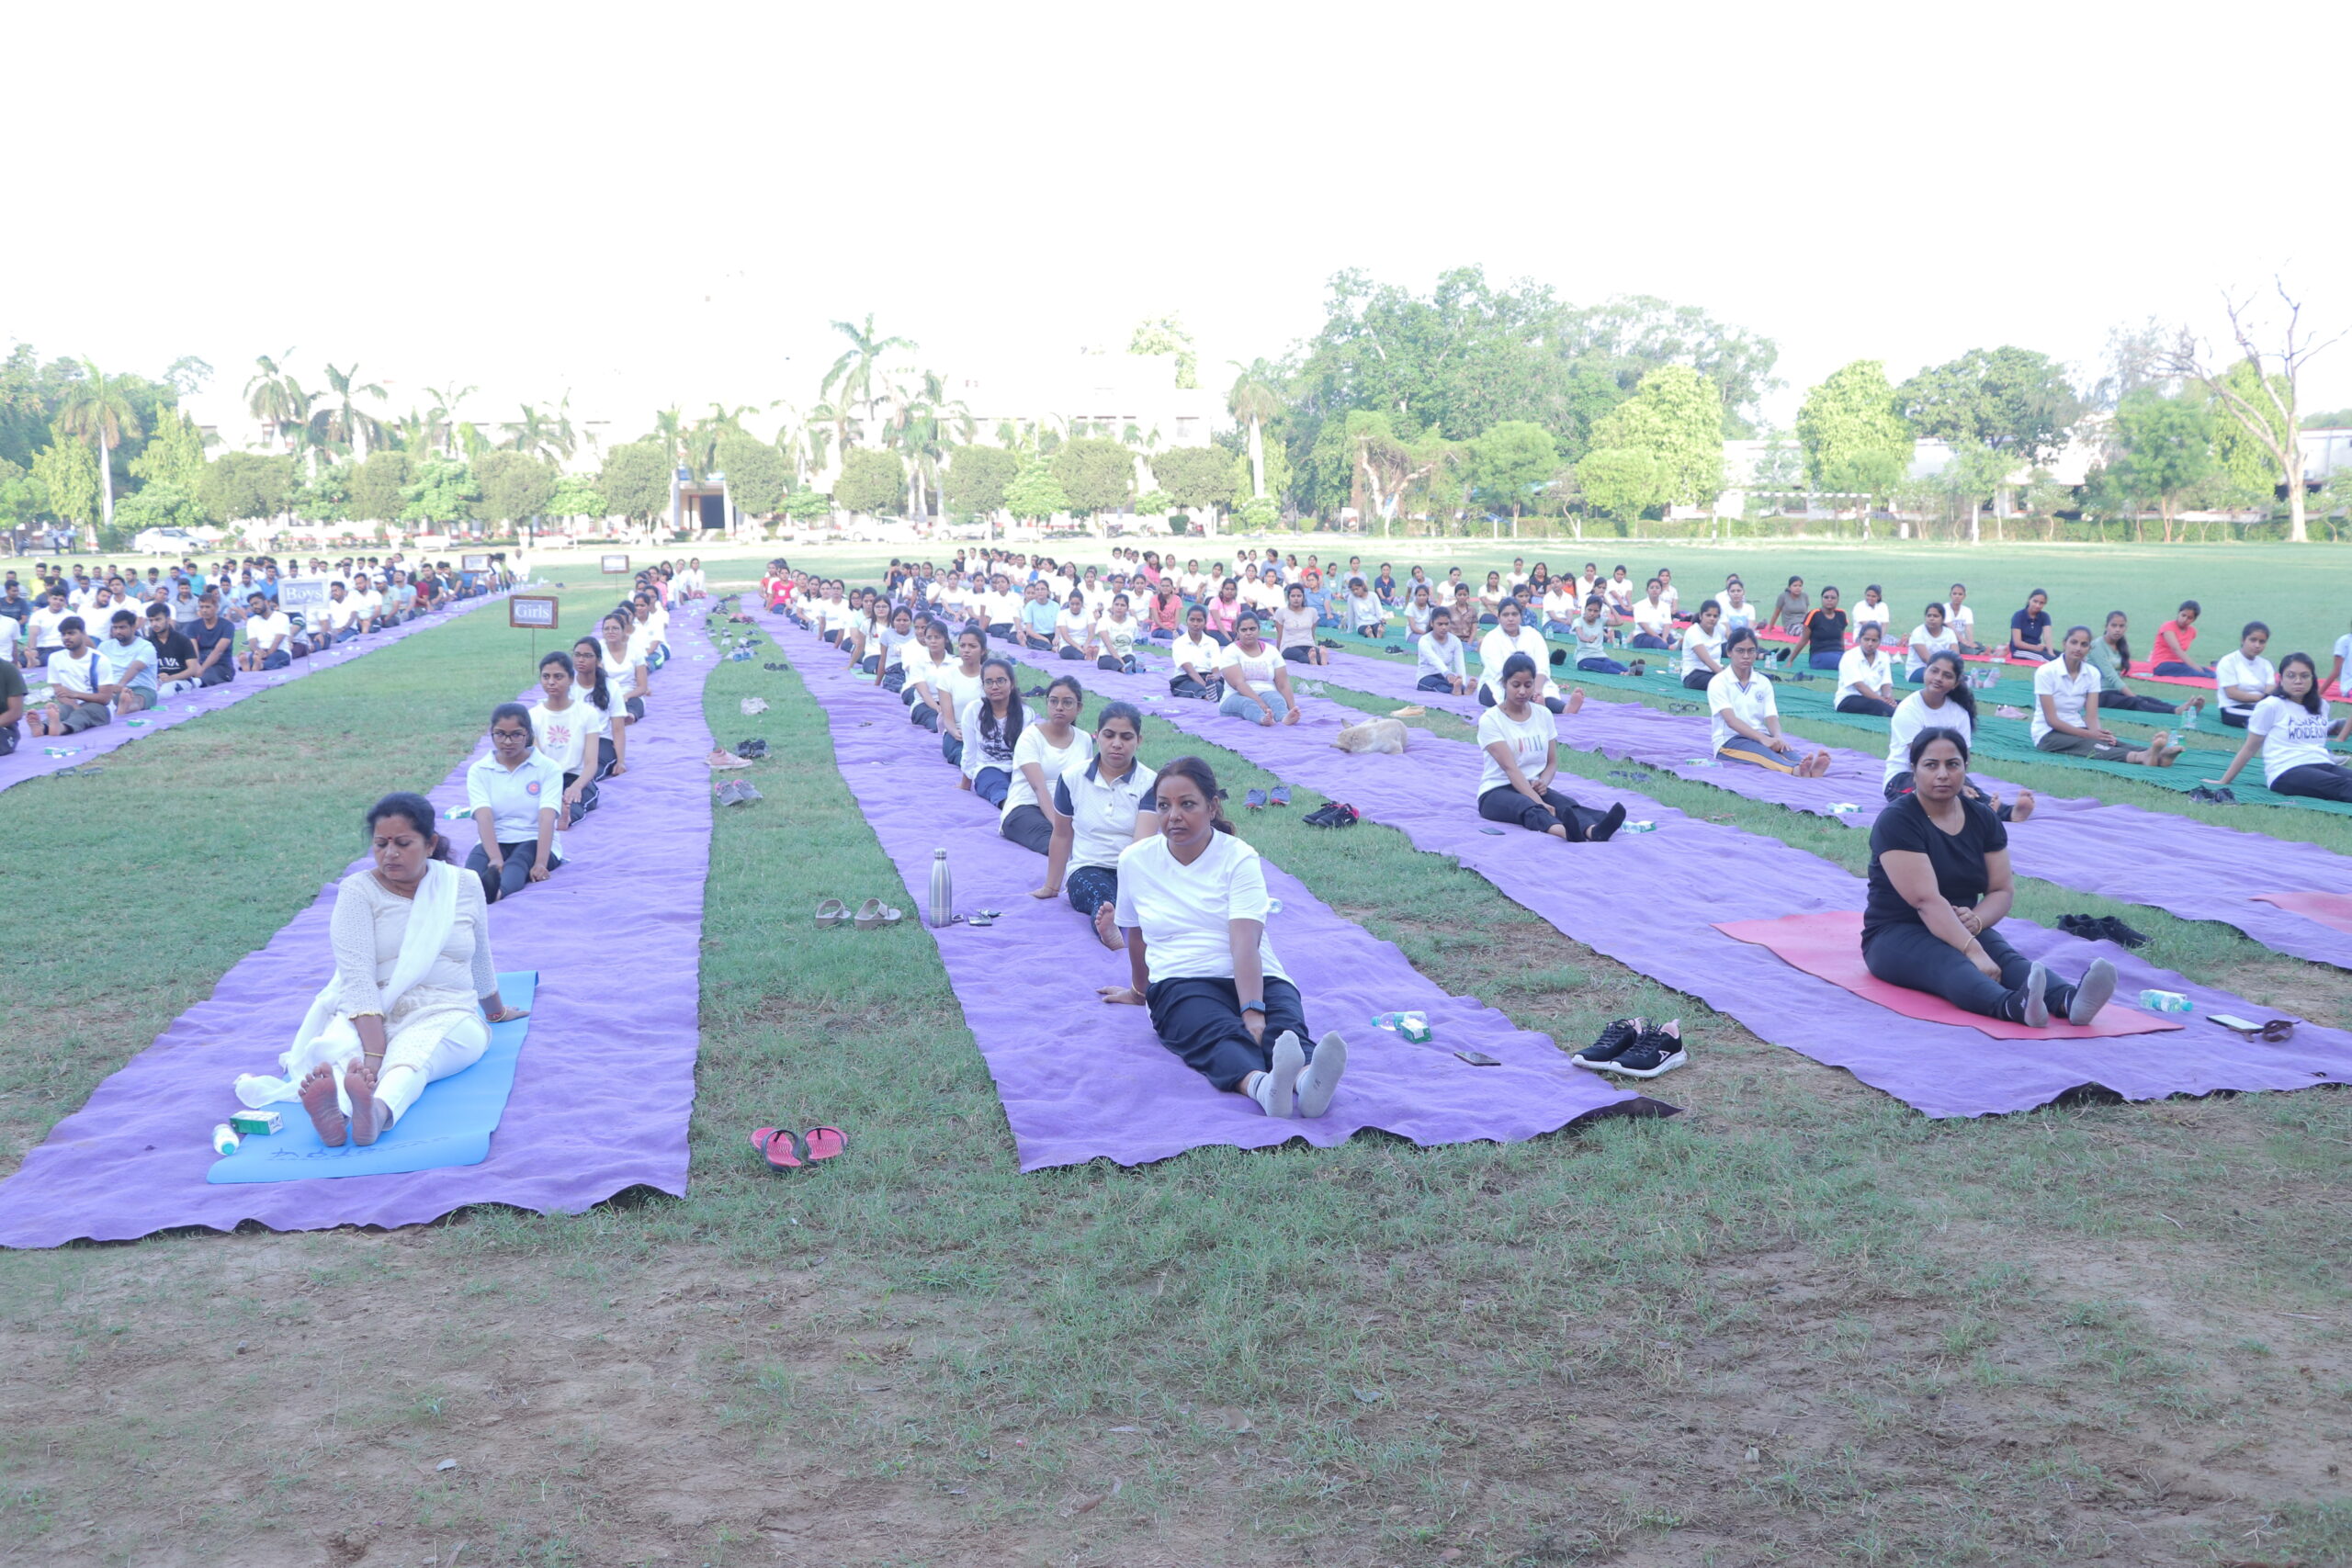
(1828, 946)
(2329, 909)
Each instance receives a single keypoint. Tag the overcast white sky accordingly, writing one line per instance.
(669, 204)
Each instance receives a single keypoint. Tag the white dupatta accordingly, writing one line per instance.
(431, 914)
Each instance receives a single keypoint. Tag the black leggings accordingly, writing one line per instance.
(2234, 720)
(1434, 683)
(1200, 1022)
(1092, 887)
(1487, 699)
(2316, 781)
(1912, 956)
(219, 674)
(1027, 826)
(516, 874)
(1872, 705)
(1185, 686)
(1504, 803)
(1697, 680)
(2133, 702)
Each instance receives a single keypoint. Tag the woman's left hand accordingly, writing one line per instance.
(616, 770)
(540, 871)
(1255, 1022)
(1120, 996)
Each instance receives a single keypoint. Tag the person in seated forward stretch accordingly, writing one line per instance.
(1192, 903)
(1103, 805)
(1440, 659)
(1702, 648)
(2292, 727)
(991, 725)
(2111, 656)
(2245, 676)
(513, 795)
(1029, 818)
(1939, 882)
(1865, 674)
(414, 988)
(1512, 636)
(1196, 656)
(1746, 718)
(1942, 700)
(1251, 668)
(1520, 738)
(2065, 694)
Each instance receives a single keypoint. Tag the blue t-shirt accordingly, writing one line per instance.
(2026, 627)
(1038, 614)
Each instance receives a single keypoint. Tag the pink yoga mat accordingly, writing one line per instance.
(1828, 946)
(2329, 909)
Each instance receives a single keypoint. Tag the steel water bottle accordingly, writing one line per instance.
(943, 892)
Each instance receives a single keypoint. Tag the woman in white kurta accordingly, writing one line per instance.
(414, 988)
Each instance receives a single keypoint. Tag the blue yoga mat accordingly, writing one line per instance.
(449, 1125)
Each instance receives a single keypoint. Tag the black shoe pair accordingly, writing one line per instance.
(1392, 647)
(751, 751)
(2217, 794)
(1632, 1047)
(1336, 815)
(2102, 928)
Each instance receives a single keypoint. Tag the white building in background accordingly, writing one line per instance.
(1110, 393)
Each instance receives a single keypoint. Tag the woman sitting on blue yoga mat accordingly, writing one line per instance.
(1940, 883)
(992, 724)
(2292, 727)
(1251, 667)
(1192, 903)
(1745, 717)
(513, 793)
(1104, 805)
(1943, 701)
(414, 990)
(1520, 738)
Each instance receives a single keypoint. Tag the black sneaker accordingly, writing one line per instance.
(1655, 1052)
(2116, 931)
(1613, 1043)
(1336, 815)
(2087, 927)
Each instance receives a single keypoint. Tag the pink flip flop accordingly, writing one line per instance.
(780, 1146)
(822, 1142)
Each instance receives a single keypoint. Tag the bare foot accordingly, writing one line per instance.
(1043, 891)
(2024, 807)
(1576, 699)
(318, 1099)
(368, 1117)
(1814, 765)
(1106, 926)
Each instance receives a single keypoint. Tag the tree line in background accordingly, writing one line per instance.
(1453, 409)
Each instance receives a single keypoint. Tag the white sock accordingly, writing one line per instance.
(1321, 1079)
(1279, 1083)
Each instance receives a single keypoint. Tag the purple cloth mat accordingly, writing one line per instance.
(605, 1084)
(1655, 903)
(1081, 1080)
(30, 761)
(2197, 871)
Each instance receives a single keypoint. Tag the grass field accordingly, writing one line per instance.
(1798, 1324)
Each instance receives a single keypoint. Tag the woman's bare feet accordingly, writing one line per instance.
(1575, 700)
(1043, 891)
(326, 1115)
(368, 1117)
(1812, 767)
(1106, 927)
(2024, 807)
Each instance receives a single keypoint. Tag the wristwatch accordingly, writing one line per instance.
(1257, 1006)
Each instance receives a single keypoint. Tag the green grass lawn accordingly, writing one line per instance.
(1798, 1323)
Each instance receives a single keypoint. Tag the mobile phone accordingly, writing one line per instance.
(1480, 1058)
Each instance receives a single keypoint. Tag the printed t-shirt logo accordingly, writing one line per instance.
(531, 788)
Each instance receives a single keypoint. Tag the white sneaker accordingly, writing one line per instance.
(1279, 1083)
(1321, 1079)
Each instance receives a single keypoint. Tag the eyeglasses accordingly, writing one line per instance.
(510, 735)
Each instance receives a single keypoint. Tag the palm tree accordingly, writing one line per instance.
(445, 412)
(670, 430)
(276, 399)
(342, 426)
(853, 373)
(702, 441)
(1253, 401)
(415, 432)
(97, 411)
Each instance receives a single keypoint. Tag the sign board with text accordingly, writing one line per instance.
(304, 595)
(617, 566)
(535, 611)
(473, 563)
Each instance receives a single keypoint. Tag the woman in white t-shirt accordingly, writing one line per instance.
(1560, 607)
(1495, 649)
(1104, 805)
(897, 639)
(1074, 627)
(1737, 610)
(1865, 676)
(1441, 663)
(1192, 903)
(567, 730)
(990, 727)
(1294, 628)
(1521, 739)
(2244, 676)
(2065, 699)
(1114, 638)
(1043, 750)
(2292, 727)
(1874, 608)
(1702, 648)
(1942, 701)
(1252, 669)
(2343, 659)
(1418, 611)
(1196, 656)
(1746, 720)
(1653, 616)
(920, 661)
(1931, 636)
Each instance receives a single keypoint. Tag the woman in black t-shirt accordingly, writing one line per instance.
(1940, 883)
(1825, 631)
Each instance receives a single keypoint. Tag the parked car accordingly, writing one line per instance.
(165, 542)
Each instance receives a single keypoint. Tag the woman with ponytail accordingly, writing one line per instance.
(1193, 902)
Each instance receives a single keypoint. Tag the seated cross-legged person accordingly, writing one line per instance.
(1865, 674)
(1590, 632)
(127, 662)
(269, 635)
(1823, 632)
(414, 988)
(216, 642)
(1192, 903)
(2175, 638)
(2111, 657)
(1512, 635)
(1254, 673)
(1943, 701)
(1520, 738)
(2029, 631)
(1043, 751)
(1440, 661)
(1939, 882)
(1196, 656)
(2292, 727)
(175, 653)
(2244, 676)
(515, 794)
(1702, 648)
(1103, 804)
(1746, 718)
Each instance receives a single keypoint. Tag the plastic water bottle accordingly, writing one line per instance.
(224, 1139)
(2189, 719)
(942, 891)
(2165, 1001)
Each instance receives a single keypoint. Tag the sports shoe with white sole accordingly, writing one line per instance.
(1613, 1042)
(1658, 1051)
